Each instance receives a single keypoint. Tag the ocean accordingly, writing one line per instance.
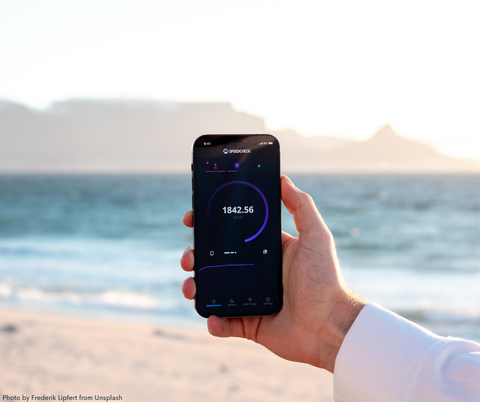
(109, 245)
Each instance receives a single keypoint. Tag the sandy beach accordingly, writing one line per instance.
(47, 354)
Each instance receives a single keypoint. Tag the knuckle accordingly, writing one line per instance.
(306, 198)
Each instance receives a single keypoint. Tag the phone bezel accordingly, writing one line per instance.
(228, 138)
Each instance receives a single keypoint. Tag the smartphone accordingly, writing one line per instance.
(237, 225)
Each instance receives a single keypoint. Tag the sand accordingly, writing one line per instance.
(47, 354)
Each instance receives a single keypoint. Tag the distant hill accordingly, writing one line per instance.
(300, 152)
(112, 135)
(386, 151)
(153, 136)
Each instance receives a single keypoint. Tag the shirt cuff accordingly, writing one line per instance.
(379, 356)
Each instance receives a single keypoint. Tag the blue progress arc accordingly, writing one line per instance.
(247, 184)
(225, 265)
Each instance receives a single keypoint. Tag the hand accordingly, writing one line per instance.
(318, 309)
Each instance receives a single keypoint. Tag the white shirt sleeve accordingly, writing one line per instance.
(387, 358)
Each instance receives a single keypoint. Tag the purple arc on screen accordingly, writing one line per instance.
(247, 184)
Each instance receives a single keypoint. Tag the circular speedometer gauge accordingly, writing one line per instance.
(240, 204)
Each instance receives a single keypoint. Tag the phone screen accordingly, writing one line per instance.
(237, 225)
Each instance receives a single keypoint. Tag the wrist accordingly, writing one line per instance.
(331, 335)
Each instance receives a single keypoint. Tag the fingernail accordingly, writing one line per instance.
(209, 329)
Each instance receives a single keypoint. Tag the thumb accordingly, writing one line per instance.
(302, 207)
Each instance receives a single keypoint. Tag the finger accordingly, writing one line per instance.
(286, 237)
(188, 259)
(301, 205)
(188, 219)
(225, 327)
(189, 288)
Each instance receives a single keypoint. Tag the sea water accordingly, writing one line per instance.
(110, 245)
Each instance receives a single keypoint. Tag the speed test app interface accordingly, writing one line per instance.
(237, 225)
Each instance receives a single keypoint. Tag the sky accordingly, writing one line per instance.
(339, 68)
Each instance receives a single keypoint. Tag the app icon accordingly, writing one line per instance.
(225, 151)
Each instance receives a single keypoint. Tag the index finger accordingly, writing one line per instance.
(188, 219)
(302, 207)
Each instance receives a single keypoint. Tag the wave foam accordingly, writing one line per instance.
(112, 298)
(5, 291)
(438, 316)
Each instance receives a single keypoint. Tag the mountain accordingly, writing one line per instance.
(386, 151)
(299, 149)
(154, 136)
(112, 135)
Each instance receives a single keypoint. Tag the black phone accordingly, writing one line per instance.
(237, 225)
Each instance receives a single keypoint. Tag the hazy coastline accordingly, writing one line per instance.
(145, 136)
